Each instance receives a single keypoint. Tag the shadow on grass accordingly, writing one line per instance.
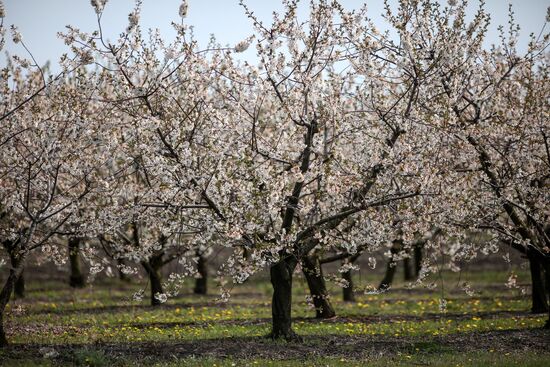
(353, 347)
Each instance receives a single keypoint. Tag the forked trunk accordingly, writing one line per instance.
(77, 279)
(539, 302)
(281, 304)
(317, 287)
(201, 282)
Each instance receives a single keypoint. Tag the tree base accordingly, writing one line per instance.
(199, 290)
(537, 310)
(77, 282)
(289, 336)
(326, 314)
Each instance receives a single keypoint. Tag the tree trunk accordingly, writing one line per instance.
(19, 287)
(201, 283)
(317, 287)
(408, 273)
(538, 293)
(348, 293)
(5, 295)
(77, 279)
(391, 266)
(417, 260)
(388, 276)
(281, 304)
(153, 266)
(156, 286)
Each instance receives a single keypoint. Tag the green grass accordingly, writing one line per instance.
(104, 314)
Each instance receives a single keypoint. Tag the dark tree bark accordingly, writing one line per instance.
(9, 285)
(388, 276)
(76, 279)
(417, 260)
(19, 287)
(5, 296)
(317, 287)
(408, 273)
(348, 292)
(281, 304)
(152, 267)
(201, 283)
(539, 303)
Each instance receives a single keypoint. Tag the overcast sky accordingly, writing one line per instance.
(40, 20)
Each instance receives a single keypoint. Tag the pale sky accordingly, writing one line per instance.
(40, 20)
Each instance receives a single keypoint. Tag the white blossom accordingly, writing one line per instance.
(15, 34)
(161, 297)
(98, 5)
(183, 9)
(244, 44)
(133, 19)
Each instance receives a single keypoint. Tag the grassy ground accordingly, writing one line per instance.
(101, 325)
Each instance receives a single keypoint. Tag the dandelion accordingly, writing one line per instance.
(183, 9)
(2, 10)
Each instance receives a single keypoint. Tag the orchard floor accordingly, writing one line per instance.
(102, 325)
